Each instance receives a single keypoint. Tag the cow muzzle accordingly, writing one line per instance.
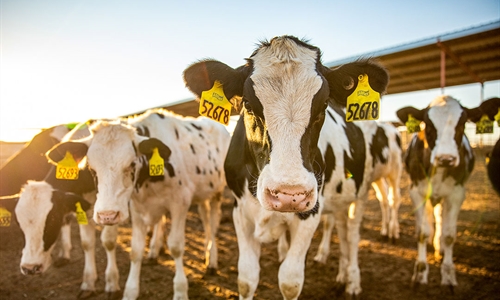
(290, 199)
(32, 269)
(109, 217)
(446, 161)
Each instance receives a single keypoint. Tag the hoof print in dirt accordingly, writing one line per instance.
(116, 295)
(61, 262)
(86, 294)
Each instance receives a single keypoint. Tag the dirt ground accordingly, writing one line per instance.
(386, 268)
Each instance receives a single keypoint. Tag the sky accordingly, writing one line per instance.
(69, 61)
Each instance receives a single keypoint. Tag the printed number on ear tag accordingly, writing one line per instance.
(214, 104)
(5, 217)
(485, 125)
(412, 125)
(67, 168)
(81, 216)
(363, 103)
(156, 164)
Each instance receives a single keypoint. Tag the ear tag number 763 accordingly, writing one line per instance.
(363, 103)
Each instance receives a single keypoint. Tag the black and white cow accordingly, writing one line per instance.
(275, 166)
(193, 151)
(386, 152)
(30, 163)
(491, 107)
(439, 161)
(41, 211)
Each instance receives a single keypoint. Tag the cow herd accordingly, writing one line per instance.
(292, 161)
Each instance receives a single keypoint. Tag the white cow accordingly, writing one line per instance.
(193, 152)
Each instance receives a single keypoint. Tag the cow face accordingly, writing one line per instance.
(444, 120)
(40, 212)
(113, 154)
(285, 91)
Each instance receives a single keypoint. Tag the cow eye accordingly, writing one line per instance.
(247, 106)
(348, 83)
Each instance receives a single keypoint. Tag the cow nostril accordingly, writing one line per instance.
(32, 270)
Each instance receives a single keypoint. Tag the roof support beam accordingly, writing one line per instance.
(457, 59)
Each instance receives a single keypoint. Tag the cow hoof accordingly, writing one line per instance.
(116, 295)
(60, 262)
(352, 296)
(150, 261)
(452, 289)
(85, 294)
(393, 240)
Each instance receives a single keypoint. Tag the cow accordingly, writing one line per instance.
(30, 163)
(279, 156)
(387, 168)
(491, 108)
(439, 160)
(119, 154)
(41, 210)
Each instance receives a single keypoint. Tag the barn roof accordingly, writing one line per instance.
(470, 56)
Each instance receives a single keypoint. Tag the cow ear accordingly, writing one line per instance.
(201, 76)
(9, 202)
(490, 107)
(69, 200)
(474, 114)
(404, 112)
(343, 80)
(57, 153)
(146, 147)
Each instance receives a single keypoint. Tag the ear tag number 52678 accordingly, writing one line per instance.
(214, 104)
(156, 164)
(363, 103)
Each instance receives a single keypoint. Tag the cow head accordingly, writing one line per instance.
(444, 120)
(113, 153)
(285, 90)
(40, 212)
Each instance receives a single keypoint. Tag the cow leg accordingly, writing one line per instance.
(176, 242)
(451, 209)
(394, 199)
(108, 241)
(341, 227)
(65, 237)
(353, 284)
(156, 242)
(87, 237)
(283, 247)
(438, 218)
(139, 231)
(291, 272)
(249, 253)
(423, 210)
(324, 245)
(380, 187)
(210, 224)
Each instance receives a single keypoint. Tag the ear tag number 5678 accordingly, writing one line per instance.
(363, 103)
(214, 104)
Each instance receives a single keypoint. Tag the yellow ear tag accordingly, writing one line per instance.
(497, 117)
(214, 104)
(485, 125)
(67, 168)
(156, 164)
(5, 217)
(363, 103)
(81, 216)
(412, 125)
